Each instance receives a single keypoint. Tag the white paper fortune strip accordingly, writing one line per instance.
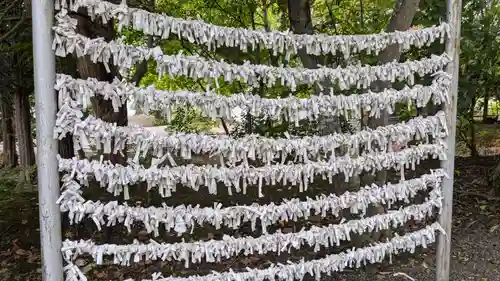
(66, 41)
(213, 36)
(117, 178)
(93, 133)
(297, 271)
(214, 106)
(182, 217)
(216, 250)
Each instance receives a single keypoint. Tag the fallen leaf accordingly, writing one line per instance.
(80, 262)
(21, 252)
(33, 258)
(493, 228)
(101, 274)
(471, 223)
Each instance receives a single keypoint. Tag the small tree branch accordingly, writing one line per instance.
(15, 27)
(7, 9)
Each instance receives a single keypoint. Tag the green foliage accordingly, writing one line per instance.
(189, 121)
(405, 112)
(479, 69)
(14, 180)
(349, 17)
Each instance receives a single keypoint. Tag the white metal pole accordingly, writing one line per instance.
(46, 106)
(454, 8)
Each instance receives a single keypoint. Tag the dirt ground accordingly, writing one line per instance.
(475, 237)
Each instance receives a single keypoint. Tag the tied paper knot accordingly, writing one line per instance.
(297, 271)
(288, 43)
(233, 217)
(123, 56)
(214, 106)
(116, 178)
(216, 250)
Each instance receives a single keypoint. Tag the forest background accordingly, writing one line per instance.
(478, 137)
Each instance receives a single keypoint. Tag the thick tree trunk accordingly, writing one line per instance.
(299, 13)
(66, 145)
(86, 68)
(8, 135)
(494, 179)
(23, 135)
(23, 128)
(300, 22)
(401, 20)
(101, 108)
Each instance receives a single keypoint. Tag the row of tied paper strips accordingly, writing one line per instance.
(315, 156)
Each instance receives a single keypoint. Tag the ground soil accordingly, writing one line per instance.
(475, 237)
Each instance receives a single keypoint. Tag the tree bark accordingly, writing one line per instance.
(86, 68)
(66, 145)
(486, 105)
(23, 128)
(472, 124)
(8, 134)
(23, 135)
(299, 13)
(401, 19)
(300, 22)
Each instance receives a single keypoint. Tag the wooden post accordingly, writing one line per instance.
(453, 17)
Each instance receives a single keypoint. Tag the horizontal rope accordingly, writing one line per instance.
(217, 250)
(67, 41)
(212, 105)
(297, 271)
(116, 178)
(93, 133)
(181, 218)
(213, 36)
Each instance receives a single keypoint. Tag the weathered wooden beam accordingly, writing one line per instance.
(454, 8)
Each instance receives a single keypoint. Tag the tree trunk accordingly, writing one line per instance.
(101, 108)
(8, 137)
(300, 22)
(86, 68)
(472, 124)
(401, 19)
(494, 179)
(486, 104)
(23, 134)
(23, 129)
(66, 145)
(299, 13)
